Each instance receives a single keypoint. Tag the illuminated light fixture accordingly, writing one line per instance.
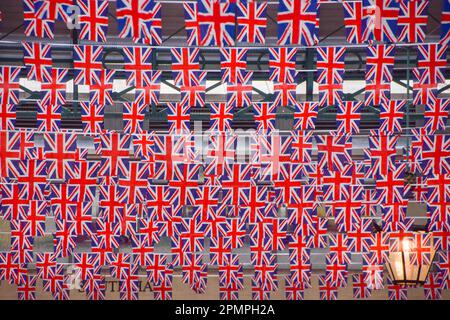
(402, 267)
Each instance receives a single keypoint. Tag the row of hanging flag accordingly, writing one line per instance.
(225, 23)
(293, 194)
(141, 189)
(428, 77)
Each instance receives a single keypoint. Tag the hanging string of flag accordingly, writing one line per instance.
(293, 193)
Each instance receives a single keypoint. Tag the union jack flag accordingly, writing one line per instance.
(255, 199)
(431, 63)
(435, 114)
(264, 116)
(379, 65)
(21, 241)
(326, 289)
(53, 10)
(330, 71)
(7, 117)
(258, 293)
(37, 58)
(95, 287)
(221, 153)
(9, 85)
(231, 272)
(193, 92)
(32, 174)
(129, 287)
(184, 62)
(348, 117)
(445, 23)
(353, 21)
(372, 271)
(239, 94)
(274, 151)
(178, 117)
(185, 185)
(46, 266)
(391, 116)
(233, 63)
(143, 147)
(87, 60)
(381, 153)
(140, 20)
(285, 94)
(360, 287)
(335, 273)
(57, 284)
(434, 286)
(64, 238)
(191, 23)
(221, 117)
(235, 179)
(120, 264)
(133, 177)
(380, 19)
(138, 62)
(297, 22)
(93, 19)
(149, 93)
(396, 291)
(162, 290)
(92, 117)
(33, 223)
(266, 272)
(435, 154)
(338, 244)
(305, 115)
(334, 152)
(361, 238)
(15, 145)
(166, 148)
(53, 89)
(220, 249)
(251, 21)
(216, 19)
(26, 287)
(156, 266)
(115, 147)
(422, 89)
(101, 88)
(48, 117)
(60, 150)
(301, 146)
(348, 210)
(390, 186)
(133, 117)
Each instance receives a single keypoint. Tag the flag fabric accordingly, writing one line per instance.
(251, 20)
(380, 62)
(380, 20)
(37, 58)
(412, 21)
(93, 20)
(330, 72)
(353, 11)
(297, 22)
(37, 21)
(216, 22)
(139, 20)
